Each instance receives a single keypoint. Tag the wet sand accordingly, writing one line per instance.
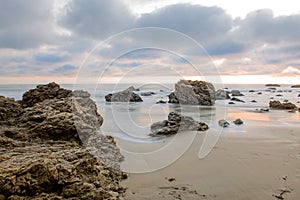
(259, 163)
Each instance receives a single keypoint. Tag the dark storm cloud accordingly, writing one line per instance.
(26, 23)
(97, 18)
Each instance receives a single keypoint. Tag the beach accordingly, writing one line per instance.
(260, 163)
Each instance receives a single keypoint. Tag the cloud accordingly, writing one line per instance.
(291, 71)
(97, 18)
(50, 58)
(26, 23)
(200, 23)
(64, 68)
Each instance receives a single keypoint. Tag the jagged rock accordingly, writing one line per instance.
(236, 93)
(222, 94)
(223, 123)
(9, 108)
(175, 124)
(194, 93)
(124, 96)
(41, 152)
(284, 106)
(147, 93)
(237, 99)
(238, 122)
(173, 98)
(43, 92)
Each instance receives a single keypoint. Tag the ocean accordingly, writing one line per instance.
(131, 122)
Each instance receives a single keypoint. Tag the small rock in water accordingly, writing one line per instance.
(279, 95)
(236, 99)
(254, 101)
(298, 95)
(224, 123)
(236, 93)
(161, 101)
(238, 122)
(262, 110)
(259, 93)
(147, 93)
(251, 90)
(231, 102)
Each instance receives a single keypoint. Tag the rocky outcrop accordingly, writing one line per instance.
(175, 124)
(236, 93)
(194, 93)
(295, 86)
(272, 85)
(42, 92)
(222, 94)
(283, 106)
(41, 148)
(124, 96)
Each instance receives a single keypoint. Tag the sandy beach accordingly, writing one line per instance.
(263, 162)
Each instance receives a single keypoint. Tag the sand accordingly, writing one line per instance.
(259, 163)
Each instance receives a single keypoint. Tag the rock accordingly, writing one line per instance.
(41, 152)
(133, 88)
(251, 90)
(43, 92)
(231, 102)
(272, 88)
(262, 110)
(279, 95)
(236, 93)
(259, 93)
(236, 99)
(161, 101)
(222, 94)
(253, 101)
(124, 96)
(238, 122)
(147, 93)
(272, 85)
(283, 106)
(173, 98)
(9, 108)
(175, 124)
(194, 93)
(295, 86)
(223, 123)
(298, 95)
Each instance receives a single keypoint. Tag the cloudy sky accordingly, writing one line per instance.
(61, 40)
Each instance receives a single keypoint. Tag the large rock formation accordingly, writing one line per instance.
(41, 152)
(283, 106)
(124, 96)
(193, 93)
(176, 123)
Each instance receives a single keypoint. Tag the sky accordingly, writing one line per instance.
(71, 41)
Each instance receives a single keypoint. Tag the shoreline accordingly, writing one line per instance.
(241, 166)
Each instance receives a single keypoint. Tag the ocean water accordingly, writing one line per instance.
(132, 121)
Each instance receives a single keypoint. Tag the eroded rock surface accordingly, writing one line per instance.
(193, 93)
(41, 148)
(176, 123)
(127, 95)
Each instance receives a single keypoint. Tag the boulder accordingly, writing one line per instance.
(124, 96)
(173, 98)
(283, 106)
(147, 93)
(238, 122)
(222, 94)
(175, 124)
(237, 99)
(235, 93)
(41, 152)
(194, 93)
(223, 123)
